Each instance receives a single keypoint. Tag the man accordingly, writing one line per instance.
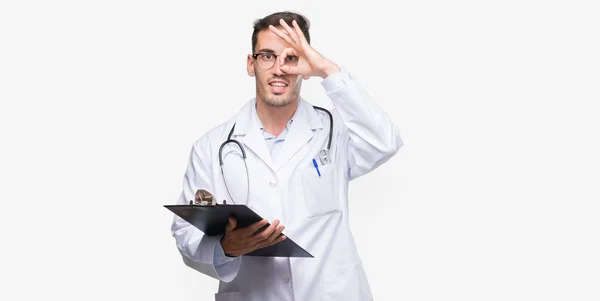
(291, 181)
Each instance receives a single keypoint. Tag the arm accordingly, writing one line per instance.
(372, 137)
(201, 252)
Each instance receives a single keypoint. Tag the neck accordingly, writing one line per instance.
(275, 119)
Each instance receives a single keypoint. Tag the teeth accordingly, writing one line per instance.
(278, 84)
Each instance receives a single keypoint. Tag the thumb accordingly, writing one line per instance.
(289, 69)
(231, 225)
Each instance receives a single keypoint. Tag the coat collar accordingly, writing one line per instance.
(247, 131)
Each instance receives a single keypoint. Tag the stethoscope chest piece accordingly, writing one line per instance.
(324, 157)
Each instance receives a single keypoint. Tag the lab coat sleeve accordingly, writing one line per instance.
(199, 251)
(371, 137)
(220, 258)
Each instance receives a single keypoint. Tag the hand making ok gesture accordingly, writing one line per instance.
(310, 62)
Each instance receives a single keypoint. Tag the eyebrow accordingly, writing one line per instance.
(266, 50)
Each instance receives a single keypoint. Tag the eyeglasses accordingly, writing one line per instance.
(266, 60)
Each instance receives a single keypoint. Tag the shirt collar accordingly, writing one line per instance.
(289, 123)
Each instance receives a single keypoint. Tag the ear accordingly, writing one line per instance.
(250, 65)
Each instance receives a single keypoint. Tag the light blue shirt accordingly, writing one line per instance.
(274, 144)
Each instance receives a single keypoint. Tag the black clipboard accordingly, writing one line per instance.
(212, 219)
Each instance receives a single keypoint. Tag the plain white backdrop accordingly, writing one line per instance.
(495, 195)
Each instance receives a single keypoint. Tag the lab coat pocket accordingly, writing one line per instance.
(347, 282)
(231, 296)
(320, 191)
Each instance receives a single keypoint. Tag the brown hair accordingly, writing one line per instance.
(273, 19)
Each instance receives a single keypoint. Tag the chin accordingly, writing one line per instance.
(277, 100)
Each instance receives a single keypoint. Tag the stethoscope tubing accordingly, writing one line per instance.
(229, 140)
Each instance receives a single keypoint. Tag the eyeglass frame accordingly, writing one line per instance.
(255, 56)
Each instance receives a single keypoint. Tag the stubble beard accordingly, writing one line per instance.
(282, 100)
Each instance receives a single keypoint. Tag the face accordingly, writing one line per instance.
(273, 87)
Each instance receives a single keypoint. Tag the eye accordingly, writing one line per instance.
(267, 56)
(291, 58)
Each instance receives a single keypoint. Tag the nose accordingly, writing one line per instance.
(276, 69)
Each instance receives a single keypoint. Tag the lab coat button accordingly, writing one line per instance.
(272, 183)
(286, 279)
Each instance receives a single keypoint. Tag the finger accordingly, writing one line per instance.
(231, 225)
(301, 37)
(275, 234)
(287, 69)
(278, 240)
(254, 227)
(291, 32)
(284, 54)
(281, 34)
(265, 234)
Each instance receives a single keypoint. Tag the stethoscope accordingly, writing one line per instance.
(323, 154)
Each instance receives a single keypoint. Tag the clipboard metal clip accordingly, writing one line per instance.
(203, 198)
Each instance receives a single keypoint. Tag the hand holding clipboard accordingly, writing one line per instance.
(214, 219)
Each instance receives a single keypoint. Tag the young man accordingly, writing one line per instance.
(299, 161)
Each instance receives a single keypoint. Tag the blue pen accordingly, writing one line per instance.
(316, 166)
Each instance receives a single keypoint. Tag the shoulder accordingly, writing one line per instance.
(332, 115)
(212, 138)
(327, 115)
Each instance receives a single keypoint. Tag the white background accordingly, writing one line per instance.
(493, 197)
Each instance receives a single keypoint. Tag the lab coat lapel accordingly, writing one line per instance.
(247, 131)
(300, 132)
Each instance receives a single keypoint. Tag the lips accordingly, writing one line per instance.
(278, 83)
(278, 86)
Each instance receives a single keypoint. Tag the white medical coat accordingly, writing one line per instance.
(313, 208)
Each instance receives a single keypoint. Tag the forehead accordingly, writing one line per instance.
(266, 39)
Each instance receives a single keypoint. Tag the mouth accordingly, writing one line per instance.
(278, 86)
(278, 83)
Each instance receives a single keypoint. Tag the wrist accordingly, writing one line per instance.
(329, 69)
(224, 250)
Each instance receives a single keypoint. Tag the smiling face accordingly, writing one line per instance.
(273, 86)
